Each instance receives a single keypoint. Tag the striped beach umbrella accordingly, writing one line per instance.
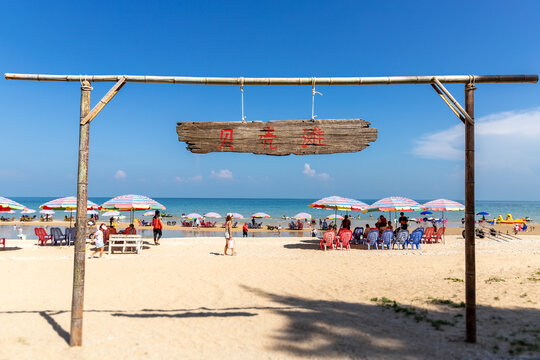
(334, 217)
(28, 211)
(132, 203)
(111, 213)
(149, 213)
(47, 212)
(212, 215)
(394, 203)
(260, 215)
(443, 205)
(194, 216)
(302, 216)
(7, 211)
(237, 216)
(67, 203)
(339, 203)
(8, 204)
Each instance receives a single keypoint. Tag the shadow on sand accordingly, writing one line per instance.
(337, 329)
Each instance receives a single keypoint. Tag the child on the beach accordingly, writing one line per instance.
(97, 238)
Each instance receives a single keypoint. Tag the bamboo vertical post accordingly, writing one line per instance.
(77, 301)
(470, 267)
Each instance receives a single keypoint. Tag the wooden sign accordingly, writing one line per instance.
(278, 138)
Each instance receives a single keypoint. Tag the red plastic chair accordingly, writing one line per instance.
(328, 239)
(42, 236)
(428, 234)
(3, 242)
(439, 234)
(344, 239)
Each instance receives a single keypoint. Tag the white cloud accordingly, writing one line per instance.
(120, 175)
(196, 178)
(222, 174)
(309, 172)
(504, 140)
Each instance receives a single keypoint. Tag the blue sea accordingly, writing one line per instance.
(280, 208)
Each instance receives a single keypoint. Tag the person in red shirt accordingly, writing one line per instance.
(158, 226)
(245, 230)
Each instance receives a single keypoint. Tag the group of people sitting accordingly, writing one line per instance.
(28, 218)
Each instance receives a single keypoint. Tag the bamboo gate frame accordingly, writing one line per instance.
(466, 115)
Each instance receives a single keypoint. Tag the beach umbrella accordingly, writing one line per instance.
(334, 217)
(443, 205)
(302, 216)
(194, 216)
(426, 213)
(339, 203)
(28, 211)
(92, 212)
(7, 211)
(394, 203)
(213, 215)
(47, 212)
(482, 213)
(149, 213)
(260, 215)
(66, 203)
(111, 213)
(8, 204)
(132, 203)
(237, 216)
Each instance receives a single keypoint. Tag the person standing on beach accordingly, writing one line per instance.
(245, 230)
(229, 242)
(158, 226)
(97, 238)
(403, 220)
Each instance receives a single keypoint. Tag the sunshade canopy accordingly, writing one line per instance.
(394, 203)
(132, 202)
(339, 203)
(66, 203)
(8, 204)
(443, 205)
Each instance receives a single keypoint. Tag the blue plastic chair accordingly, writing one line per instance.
(70, 236)
(387, 238)
(416, 239)
(402, 239)
(372, 239)
(358, 234)
(57, 236)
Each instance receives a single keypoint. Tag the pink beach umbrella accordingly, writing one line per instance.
(302, 216)
(7, 212)
(8, 204)
(212, 215)
(47, 212)
(66, 203)
(28, 211)
(394, 203)
(260, 215)
(334, 217)
(237, 216)
(194, 216)
(443, 205)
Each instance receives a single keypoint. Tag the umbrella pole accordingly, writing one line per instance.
(444, 230)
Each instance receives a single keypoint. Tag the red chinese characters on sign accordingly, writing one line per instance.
(315, 137)
(226, 138)
(268, 137)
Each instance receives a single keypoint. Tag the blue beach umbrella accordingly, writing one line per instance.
(426, 213)
(482, 213)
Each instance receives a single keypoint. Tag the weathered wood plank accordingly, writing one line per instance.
(278, 138)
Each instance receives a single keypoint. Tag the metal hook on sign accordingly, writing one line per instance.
(313, 92)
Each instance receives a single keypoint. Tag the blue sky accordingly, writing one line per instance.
(134, 146)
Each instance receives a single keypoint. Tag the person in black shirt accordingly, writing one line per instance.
(346, 223)
(403, 221)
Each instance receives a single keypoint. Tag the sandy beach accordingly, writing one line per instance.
(279, 298)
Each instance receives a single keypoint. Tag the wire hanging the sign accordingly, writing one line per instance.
(313, 92)
(242, 91)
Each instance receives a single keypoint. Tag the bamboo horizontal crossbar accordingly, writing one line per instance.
(382, 80)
